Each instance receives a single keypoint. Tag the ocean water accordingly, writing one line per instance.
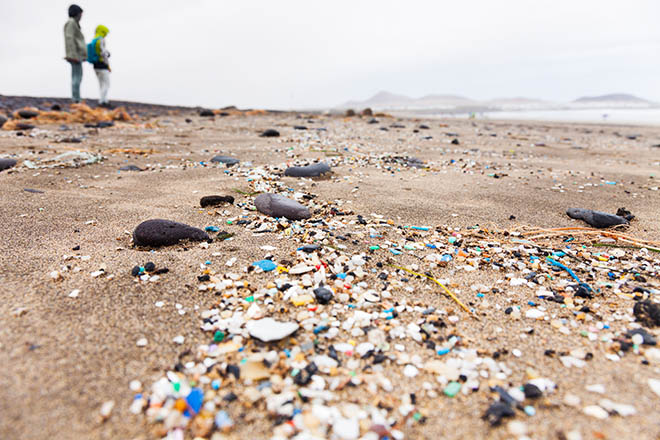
(647, 116)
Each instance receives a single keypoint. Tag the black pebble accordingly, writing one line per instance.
(206, 113)
(496, 412)
(323, 295)
(6, 163)
(135, 271)
(159, 232)
(270, 133)
(233, 369)
(130, 168)
(227, 160)
(150, 267)
(215, 200)
(532, 391)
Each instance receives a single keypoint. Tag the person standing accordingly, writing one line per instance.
(76, 51)
(98, 55)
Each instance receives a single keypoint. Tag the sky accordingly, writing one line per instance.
(312, 54)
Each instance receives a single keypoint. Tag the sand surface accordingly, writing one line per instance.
(63, 357)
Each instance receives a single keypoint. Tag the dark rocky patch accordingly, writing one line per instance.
(130, 168)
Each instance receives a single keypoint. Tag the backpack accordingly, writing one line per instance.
(92, 56)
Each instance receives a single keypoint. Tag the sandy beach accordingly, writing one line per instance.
(64, 355)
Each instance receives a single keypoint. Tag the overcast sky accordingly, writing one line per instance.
(301, 54)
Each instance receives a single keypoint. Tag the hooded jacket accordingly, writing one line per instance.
(74, 41)
(100, 48)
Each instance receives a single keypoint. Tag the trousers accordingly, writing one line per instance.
(76, 79)
(104, 84)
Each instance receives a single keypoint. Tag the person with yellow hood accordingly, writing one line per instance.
(99, 56)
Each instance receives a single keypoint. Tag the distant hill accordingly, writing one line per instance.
(613, 97)
(441, 103)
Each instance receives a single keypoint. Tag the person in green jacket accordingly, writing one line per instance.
(76, 51)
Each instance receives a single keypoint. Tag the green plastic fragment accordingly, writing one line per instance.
(177, 386)
(250, 298)
(374, 248)
(218, 336)
(452, 389)
(417, 416)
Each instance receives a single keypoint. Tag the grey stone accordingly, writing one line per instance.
(130, 168)
(158, 232)
(6, 163)
(227, 160)
(275, 205)
(597, 219)
(313, 170)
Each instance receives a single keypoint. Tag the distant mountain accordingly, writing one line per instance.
(444, 103)
(613, 97)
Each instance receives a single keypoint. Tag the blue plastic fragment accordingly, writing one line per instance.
(211, 229)
(395, 252)
(446, 258)
(443, 351)
(570, 272)
(194, 401)
(265, 265)
(341, 276)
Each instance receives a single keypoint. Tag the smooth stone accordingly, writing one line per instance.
(299, 127)
(227, 160)
(268, 329)
(6, 163)
(3, 119)
(270, 133)
(346, 429)
(647, 312)
(313, 170)
(158, 232)
(275, 205)
(323, 295)
(130, 168)
(206, 113)
(215, 200)
(597, 219)
(28, 114)
(24, 126)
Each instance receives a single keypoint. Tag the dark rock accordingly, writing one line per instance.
(130, 168)
(309, 248)
(34, 191)
(215, 200)
(496, 412)
(532, 391)
(384, 129)
(24, 126)
(398, 126)
(188, 120)
(299, 127)
(350, 112)
(270, 133)
(313, 170)
(135, 271)
(70, 140)
(623, 212)
(647, 338)
(6, 164)
(150, 266)
(56, 107)
(275, 205)
(102, 124)
(373, 121)
(455, 142)
(227, 160)
(28, 114)
(3, 119)
(423, 127)
(159, 232)
(323, 295)
(206, 113)
(647, 313)
(367, 112)
(597, 219)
